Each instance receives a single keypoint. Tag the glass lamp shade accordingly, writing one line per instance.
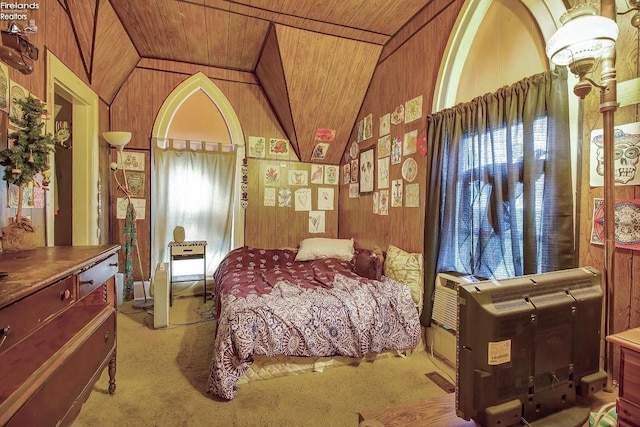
(117, 139)
(584, 36)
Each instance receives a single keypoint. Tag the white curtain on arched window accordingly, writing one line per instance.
(193, 189)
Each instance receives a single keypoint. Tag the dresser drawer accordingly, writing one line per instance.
(95, 276)
(630, 375)
(59, 395)
(627, 412)
(25, 315)
(185, 251)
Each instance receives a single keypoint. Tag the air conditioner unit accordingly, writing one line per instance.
(445, 300)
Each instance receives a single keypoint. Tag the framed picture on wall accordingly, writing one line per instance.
(366, 171)
(16, 92)
(4, 87)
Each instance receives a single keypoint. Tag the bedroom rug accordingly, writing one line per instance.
(162, 377)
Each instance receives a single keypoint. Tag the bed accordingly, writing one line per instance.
(273, 302)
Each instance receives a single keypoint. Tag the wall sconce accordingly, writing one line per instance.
(584, 41)
(580, 43)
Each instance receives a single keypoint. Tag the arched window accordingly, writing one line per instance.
(198, 148)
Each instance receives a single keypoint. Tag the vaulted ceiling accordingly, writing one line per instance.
(313, 58)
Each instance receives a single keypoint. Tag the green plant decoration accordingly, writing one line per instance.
(29, 147)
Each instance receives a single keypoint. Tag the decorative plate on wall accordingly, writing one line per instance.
(409, 169)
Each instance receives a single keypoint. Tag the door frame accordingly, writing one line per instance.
(85, 170)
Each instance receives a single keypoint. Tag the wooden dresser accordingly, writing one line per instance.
(57, 331)
(628, 403)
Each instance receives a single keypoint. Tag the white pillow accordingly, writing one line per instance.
(322, 247)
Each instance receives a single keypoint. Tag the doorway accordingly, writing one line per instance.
(63, 199)
(83, 188)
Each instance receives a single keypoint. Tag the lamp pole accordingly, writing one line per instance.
(608, 107)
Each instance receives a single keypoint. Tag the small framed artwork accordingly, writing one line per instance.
(135, 181)
(412, 195)
(384, 146)
(272, 175)
(383, 202)
(354, 171)
(4, 87)
(353, 191)
(298, 177)
(316, 221)
(413, 109)
(320, 151)
(317, 174)
(133, 161)
(385, 125)
(325, 135)
(284, 197)
(410, 142)
(331, 174)
(16, 92)
(366, 171)
(346, 173)
(278, 147)
(257, 146)
(396, 193)
(368, 126)
(383, 173)
(396, 150)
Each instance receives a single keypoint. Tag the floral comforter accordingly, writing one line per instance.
(267, 303)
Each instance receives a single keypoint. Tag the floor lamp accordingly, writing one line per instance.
(584, 40)
(119, 140)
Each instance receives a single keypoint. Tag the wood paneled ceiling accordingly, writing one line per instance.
(323, 51)
(230, 33)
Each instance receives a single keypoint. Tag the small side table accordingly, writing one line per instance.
(628, 402)
(195, 249)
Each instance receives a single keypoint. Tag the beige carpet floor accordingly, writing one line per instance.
(162, 377)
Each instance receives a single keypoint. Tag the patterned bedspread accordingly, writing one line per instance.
(269, 304)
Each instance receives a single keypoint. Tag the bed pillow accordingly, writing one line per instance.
(368, 265)
(407, 268)
(323, 247)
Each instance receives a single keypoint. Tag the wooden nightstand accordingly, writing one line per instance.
(628, 403)
(195, 249)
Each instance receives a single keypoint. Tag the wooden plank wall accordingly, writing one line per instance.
(135, 108)
(408, 72)
(276, 226)
(55, 35)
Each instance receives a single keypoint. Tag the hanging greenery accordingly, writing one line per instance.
(29, 147)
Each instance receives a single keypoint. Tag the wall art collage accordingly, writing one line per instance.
(301, 189)
(367, 170)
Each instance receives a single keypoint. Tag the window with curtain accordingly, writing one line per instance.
(499, 188)
(193, 188)
(487, 238)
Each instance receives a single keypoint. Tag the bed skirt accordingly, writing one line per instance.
(264, 367)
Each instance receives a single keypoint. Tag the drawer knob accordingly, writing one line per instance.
(86, 282)
(106, 336)
(65, 294)
(113, 264)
